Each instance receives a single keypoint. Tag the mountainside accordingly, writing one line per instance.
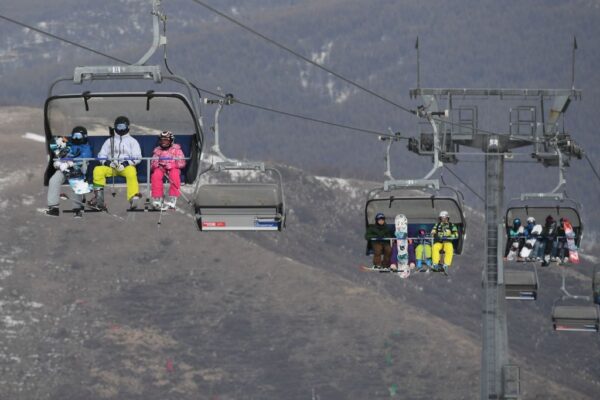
(107, 309)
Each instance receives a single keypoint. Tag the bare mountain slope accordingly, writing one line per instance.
(105, 309)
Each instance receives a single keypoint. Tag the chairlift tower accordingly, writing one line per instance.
(456, 125)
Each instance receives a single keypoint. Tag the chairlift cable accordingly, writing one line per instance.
(61, 39)
(592, 167)
(304, 58)
(464, 183)
(289, 114)
(329, 70)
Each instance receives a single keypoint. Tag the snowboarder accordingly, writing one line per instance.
(167, 159)
(66, 165)
(379, 234)
(119, 156)
(543, 245)
(516, 238)
(443, 233)
(423, 250)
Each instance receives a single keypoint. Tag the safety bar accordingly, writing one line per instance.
(146, 159)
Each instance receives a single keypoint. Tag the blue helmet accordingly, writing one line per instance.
(516, 222)
(379, 216)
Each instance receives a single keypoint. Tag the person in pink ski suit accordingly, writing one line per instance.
(167, 159)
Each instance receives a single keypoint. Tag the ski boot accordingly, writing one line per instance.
(170, 202)
(133, 202)
(157, 203)
(78, 213)
(97, 202)
(445, 269)
(52, 211)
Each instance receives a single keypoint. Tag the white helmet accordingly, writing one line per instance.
(530, 220)
(444, 214)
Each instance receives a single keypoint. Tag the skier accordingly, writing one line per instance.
(423, 250)
(443, 233)
(541, 248)
(74, 147)
(516, 237)
(379, 234)
(167, 158)
(559, 246)
(529, 227)
(119, 156)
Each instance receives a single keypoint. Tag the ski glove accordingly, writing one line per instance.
(120, 167)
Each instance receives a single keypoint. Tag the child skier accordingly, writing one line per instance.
(167, 159)
(379, 233)
(423, 250)
(66, 165)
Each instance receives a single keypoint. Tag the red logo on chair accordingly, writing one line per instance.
(216, 224)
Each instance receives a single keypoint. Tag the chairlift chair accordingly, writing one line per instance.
(149, 111)
(521, 284)
(596, 285)
(250, 206)
(574, 313)
(421, 210)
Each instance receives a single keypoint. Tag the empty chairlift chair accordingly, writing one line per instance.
(596, 285)
(575, 313)
(521, 284)
(235, 206)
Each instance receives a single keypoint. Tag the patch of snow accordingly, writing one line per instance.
(27, 200)
(235, 11)
(5, 274)
(340, 184)
(323, 55)
(10, 322)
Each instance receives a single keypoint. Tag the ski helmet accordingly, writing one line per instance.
(165, 139)
(79, 135)
(549, 219)
(530, 220)
(516, 222)
(422, 232)
(122, 125)
(444, 214)
(379, 216)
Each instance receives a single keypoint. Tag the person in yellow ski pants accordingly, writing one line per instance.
(443, 233)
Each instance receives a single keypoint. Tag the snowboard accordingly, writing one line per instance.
(514, 250)
(570, 234)
(401, 233)
(529, 243)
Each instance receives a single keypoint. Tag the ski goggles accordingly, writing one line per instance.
(77, 135)
(121, 127)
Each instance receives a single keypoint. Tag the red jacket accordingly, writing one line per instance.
(165, 157)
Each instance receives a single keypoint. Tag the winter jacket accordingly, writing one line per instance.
(425, 240)
(444, 232)
(164, 157)
(125, 150)
(81, 151)
(550, 231)
(528, 229)
(516, 233)
(376, 231)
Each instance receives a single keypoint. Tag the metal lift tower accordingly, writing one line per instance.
(455, 125)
